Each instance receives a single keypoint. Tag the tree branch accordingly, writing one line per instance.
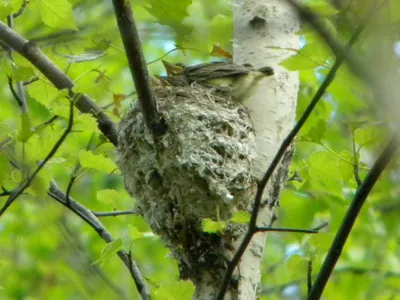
(58, 78)
(113, 213)
(137, 66)
(275, 162)
(22, 187)
(355, 64)
(351, 215)
(353, 270)
(272, 229)
(86, 215)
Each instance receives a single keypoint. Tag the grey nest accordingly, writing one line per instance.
(200, 168)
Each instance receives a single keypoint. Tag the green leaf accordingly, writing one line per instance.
(85, 122)
(299, 62)
(112, 247)
(43, 92)
(182, 290)
(240, 217)
(5, 10)
(367, 134)
(109, 250)
(135, 234)
(348, 91)
(110, 196)
(61, 108)
(16, 176)
(312, 55)
(211, 226)
(346, 168)
(97, 162)
(22, 73)
(40, 184)
(221, 29)
(295, 262)
(171, 13)
(321, 241)
(322, 165)
(5, 167)
(4, 132)
(57, 14)
(317, 132)
(26, 129)
(321, 7)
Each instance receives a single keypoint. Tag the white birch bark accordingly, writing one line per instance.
(263, 31)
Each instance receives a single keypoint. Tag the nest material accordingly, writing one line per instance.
(200, 168)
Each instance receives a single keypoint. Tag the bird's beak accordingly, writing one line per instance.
(172, 69)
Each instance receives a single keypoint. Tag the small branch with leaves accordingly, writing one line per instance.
(351, 215)
(86, 215)
(60, 80)
(23, 186)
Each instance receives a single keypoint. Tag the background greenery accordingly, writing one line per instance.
(46, 252)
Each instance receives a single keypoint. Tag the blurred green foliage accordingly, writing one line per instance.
(46, 252)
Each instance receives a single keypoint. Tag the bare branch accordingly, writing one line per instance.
(351, 215)
(32, 80)
(137, 65)
(113, 213)
(309, 275)
(86, 215)
(58, 78)
(356, 162)
(272, 229)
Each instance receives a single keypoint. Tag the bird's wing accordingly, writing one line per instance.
(203, 72)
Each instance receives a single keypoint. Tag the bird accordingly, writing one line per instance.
(239, 80)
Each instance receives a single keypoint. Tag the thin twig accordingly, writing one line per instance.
(339, 50)
(21, 9)
(309, 275)
(86, 215)
(272, 229)
(32, 80)
(338, 271)
(351, 215)
(58, 78)
(275, 162)
(75, 170)
(19, 190)
(137, 66)
(356, 162)
(113, 213)
(14, 93)
(4, 192)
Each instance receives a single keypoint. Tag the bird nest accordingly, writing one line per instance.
(200, 168)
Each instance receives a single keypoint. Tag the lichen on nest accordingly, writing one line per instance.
(201, 165)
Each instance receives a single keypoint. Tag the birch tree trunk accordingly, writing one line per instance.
(264, 30)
